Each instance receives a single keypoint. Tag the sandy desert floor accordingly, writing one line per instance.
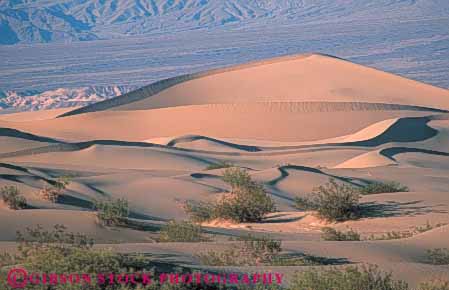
(293, 122)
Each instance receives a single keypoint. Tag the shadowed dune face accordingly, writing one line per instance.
(293, 123)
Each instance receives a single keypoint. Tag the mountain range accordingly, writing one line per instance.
(62, 53)
(30, 21)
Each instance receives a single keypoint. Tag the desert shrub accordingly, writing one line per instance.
(247, 204)
(50, 193)
(253, 251)
(438, 256)
(199, 212)
(12, 198)
(383, 187)
(393, 235)
(438, 284)
(305, 203)
(62, 182)
(112, 213)
(333, 201)
(248, 201)
(182, 231)
(219, 165)
(54, 191)
(331, 234)
(61, 252)
(427, 227)
(237, 178)
(350, 278)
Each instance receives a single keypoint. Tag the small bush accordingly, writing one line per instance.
(200, 212)
(50, 193)
(61, 252)
(305, 203)
(237, 178)
(383, 187)
(333, 201)
(254, 251)
(182, 231)
(331, 234)
(393, 235)
(219, 165)
(438, 256)
(427, 227)
(249, 204)
(112, 213)
(435, 285)
(54, 192)
(12, 198)
(248, 201)
(350, 278)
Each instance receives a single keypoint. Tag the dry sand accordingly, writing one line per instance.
(292, 122)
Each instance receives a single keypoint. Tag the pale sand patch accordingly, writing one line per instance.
(34, 115)
(281, 222)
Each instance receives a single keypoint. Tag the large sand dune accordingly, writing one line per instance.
(300, 78)
(293, 122)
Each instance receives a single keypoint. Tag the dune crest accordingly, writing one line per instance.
(297, 78)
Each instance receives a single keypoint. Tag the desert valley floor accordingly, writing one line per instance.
(293, 122)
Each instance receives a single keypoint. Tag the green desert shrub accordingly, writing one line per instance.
(305, 203)
(392, 235)
(12, 198)
(333, 201)
(219, 165)
(436, 284)
(237, 178)
(182, 231)
(200, 211)
(50, 193)
(395, 235)
(247, 202)
(350, 278)
(61, 252)
(331, 234)
(112, 213)
(54, 191)
(252, 252)
(438, 256)
(383, 187)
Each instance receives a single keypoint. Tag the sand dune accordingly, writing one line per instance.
(293, 123)
(300, 78)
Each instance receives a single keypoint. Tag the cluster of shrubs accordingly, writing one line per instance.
(355, 278)
(112, 212)
(332, 201)
(54, 191)
(254, 251)
(247, 202)
(219, 165)
(395, 235)
(335, 201)
(383, 187)
(331, 234)
(12, 198)
(438, 256)
(182, 231)
(58, 251)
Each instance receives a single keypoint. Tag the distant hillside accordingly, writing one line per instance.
(59, 98)
(30, 21)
